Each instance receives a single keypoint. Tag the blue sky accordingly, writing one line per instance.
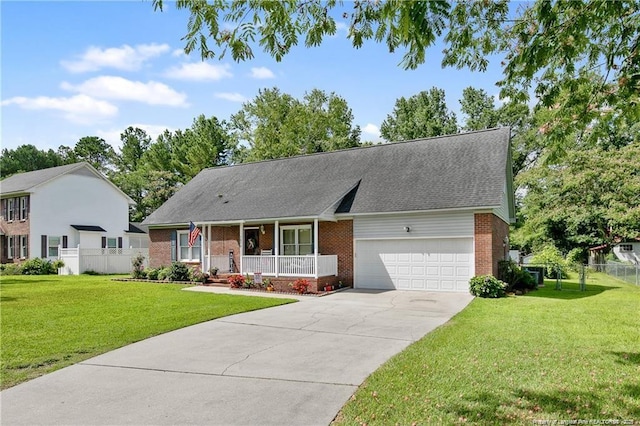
(87, 68)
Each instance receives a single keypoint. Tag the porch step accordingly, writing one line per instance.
(217, 282)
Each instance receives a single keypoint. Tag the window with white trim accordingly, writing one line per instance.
(23, 208)
(112, 243)
(626, 247)
(52, 245)
(24, 246)
(10, 247)
(296, 240)
(186, 253)
(10, 210)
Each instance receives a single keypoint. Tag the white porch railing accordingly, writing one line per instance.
(104, 261)
(291, 266)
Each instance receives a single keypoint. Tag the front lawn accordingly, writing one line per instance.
(550, 355)
(49, 322)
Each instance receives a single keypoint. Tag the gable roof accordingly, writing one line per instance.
(26, 182)
(467, 170)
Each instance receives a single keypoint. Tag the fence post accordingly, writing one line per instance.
(583, 278)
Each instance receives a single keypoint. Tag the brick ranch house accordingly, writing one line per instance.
(426, 214)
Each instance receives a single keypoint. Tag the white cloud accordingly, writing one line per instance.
(500, 102)
(112, 136)
(262, 73)
(80, 109)
(199, 71)
(233, 97)
(111, 87)
(178, 53)
(124, 58)
(371, 129)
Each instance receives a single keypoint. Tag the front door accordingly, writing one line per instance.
(251, 242)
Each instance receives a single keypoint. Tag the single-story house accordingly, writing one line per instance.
(625, 250)
(426, 214)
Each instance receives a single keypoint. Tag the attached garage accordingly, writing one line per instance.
(421, 261)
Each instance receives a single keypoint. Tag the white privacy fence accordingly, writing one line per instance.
(292, 266)
(103, 261)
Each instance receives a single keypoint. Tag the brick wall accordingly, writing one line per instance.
(490, 233)
(13, 229)
(159, 247)
(335, 238)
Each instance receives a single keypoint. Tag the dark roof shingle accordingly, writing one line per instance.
(457, 171)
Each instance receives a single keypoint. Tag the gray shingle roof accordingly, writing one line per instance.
(458, 171)
(23, 182)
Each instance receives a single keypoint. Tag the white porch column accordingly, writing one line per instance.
(315, 247)
(208, 247)
(276, 248)
(241, 240)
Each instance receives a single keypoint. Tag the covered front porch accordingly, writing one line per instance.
(273, 248)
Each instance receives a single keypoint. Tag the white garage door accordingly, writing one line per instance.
(420, 264)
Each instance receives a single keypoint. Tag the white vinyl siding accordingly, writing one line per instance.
(503, 211)
(431, 225)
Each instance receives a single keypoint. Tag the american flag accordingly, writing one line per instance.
(194, 232)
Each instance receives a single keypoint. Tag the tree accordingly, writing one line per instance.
(420, 116)
(548, 45)
(26, 158)
(591, 197)
(479, 109)
(135, 143)
(95, 151)
(205, 144)
(67, 155)
(276, 125)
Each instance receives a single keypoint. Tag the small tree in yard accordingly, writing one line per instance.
(138, 267)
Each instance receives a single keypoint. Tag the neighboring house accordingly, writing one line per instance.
(62, 207)
(421, 215)
(625, 251)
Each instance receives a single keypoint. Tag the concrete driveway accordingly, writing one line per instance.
(290, 365)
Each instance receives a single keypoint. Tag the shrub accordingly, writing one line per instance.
(38, 266)
(163, 273)
(10, 269)
(197, 275)
(552, 258)
(179, 272)
(516, 277)
(487, 286)
(151, 273)
(236, 281)
(248, 282)
(300, 285)
(138, 267)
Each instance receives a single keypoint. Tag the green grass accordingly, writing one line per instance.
(549, 355)
(49, 322)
